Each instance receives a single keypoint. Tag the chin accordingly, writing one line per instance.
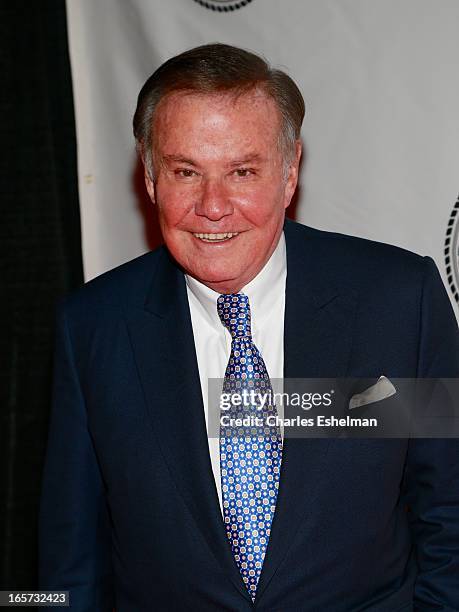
(214, 276)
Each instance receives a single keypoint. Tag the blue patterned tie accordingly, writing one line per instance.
(250, 456)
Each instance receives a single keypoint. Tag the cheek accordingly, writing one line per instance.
(173, 206)
(263, 207)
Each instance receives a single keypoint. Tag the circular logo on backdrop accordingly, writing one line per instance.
(452, 251)
(223, 6)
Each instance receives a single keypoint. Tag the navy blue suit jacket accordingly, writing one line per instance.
(130, 516)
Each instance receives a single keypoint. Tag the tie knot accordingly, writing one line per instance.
(234, 312)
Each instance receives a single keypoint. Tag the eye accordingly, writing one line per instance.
(185, 172)
(243, 172)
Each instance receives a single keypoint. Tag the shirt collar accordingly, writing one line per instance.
(263, 291)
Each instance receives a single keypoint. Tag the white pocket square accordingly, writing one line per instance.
(382, 389)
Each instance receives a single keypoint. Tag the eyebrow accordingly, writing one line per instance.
(179, 159)
(251, 157)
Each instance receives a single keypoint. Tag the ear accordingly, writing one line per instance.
(293, 171)
(149, 183)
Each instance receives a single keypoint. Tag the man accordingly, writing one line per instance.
(142, 510)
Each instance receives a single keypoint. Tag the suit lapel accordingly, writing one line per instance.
(317, 343)
(170, 379)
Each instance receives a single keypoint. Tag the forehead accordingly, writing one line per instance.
(188, 119)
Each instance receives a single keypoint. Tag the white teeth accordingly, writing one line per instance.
(215, 237)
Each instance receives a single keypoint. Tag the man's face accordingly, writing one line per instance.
(219, 184)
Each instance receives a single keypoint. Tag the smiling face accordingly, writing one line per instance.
(219, 184)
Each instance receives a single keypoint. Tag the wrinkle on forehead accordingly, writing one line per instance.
(214, 124)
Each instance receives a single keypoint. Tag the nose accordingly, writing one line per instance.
(213, 202)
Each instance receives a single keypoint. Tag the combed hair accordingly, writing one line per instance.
(217, 68)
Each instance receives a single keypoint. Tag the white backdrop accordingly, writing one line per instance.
(380, 80)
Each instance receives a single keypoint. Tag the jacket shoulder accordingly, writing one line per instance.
(354, 259)
(124, 286)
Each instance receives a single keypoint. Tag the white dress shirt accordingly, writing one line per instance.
(266, 293)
